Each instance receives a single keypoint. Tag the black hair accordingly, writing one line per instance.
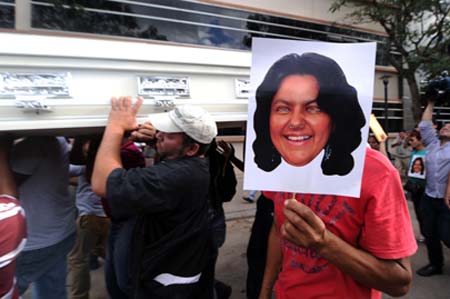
(336, 98)
(415, 134)
(203, 148)
(373, 136)
(422, 170)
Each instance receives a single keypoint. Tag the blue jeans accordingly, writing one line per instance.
(252, 194)
(46, 268)
(117, 276)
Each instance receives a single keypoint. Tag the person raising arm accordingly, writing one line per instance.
(122, 118)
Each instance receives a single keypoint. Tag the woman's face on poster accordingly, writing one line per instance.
(417, 166)
(298, 128)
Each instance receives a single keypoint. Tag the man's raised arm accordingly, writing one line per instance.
(428, 112)
(122, 117)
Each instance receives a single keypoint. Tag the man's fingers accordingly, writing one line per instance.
(296, 220)
(290, 232)
(124, 103)
(147, 132)
(136, 135)
(304, 212)
(147, 125)
(114, 103)
(294, 228)
(138, 104)
(147, 128)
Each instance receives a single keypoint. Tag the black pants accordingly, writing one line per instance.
(436, 227)
(117, 276)
(416, 198)
(154, 290)
(217, 235)
(257, 246)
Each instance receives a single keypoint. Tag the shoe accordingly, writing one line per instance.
(93, 262)
(420, 240)
(248, 199)
(223, 290)
(429, 270)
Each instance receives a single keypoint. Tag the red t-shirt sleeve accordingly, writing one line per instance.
(387, 232)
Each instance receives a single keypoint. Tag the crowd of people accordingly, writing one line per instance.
(422, 158)
(159, 227)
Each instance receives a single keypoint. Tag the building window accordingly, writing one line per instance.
(442, 113)
(395, 115)
(184, 22)
(7, 10)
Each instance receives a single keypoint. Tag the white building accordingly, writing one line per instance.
(59, 65)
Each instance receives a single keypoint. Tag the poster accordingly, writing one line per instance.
(417, 167)
(308, 116)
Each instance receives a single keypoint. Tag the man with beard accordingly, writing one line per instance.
(435, 213)
(170, 245)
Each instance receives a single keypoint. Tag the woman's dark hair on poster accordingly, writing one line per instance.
(336, 98)
(422, 166)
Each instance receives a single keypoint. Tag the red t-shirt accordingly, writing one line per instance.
(12, 239)
(377, 222)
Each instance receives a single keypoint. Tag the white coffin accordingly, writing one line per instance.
(97, 69)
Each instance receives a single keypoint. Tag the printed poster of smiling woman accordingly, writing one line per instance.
(417, 167)
(308, 116)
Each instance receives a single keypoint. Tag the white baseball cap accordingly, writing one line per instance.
(195, 121)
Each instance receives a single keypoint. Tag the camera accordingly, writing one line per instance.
(439, 88)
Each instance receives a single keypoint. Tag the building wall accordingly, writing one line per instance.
(211, 70)
(314, 10)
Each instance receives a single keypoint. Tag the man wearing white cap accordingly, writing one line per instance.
(170, 242)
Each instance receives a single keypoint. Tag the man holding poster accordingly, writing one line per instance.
(434, 211)
(341, 225)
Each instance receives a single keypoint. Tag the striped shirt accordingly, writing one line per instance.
(12, 241)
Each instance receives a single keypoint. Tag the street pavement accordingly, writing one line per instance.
(232, 266)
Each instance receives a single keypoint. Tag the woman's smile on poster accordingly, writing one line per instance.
(299, 129)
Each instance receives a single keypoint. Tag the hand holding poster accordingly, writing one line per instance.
(308, 116)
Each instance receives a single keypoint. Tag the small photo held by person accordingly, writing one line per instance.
(417, 167)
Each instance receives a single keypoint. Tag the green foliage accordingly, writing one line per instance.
(418, 35)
